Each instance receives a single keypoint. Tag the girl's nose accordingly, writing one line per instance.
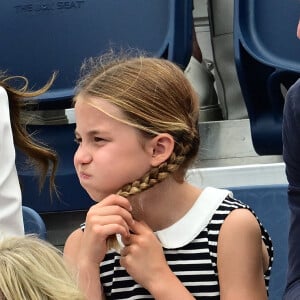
(82, 156)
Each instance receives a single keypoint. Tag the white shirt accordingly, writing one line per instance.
(11, 219)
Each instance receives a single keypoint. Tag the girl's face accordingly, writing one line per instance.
(110, 153)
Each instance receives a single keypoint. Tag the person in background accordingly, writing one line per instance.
(202, 80)
(33, 269)
(291, 148)
(137, 134)
(14, 135)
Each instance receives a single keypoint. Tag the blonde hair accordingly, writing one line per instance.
(33, 269)
(41, 156)
(156, 98)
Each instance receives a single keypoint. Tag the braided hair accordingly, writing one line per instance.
(155, 97)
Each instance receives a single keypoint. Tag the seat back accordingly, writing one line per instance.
(41, 37)
(71, 196)
(271, 206)
(33, 223)
(267, 59)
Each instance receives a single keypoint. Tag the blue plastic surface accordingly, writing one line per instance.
(39, 37)
(71, 195)
(267, 56)
(271, 206)
(33, 223)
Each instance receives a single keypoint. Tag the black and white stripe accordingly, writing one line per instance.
(195, 264)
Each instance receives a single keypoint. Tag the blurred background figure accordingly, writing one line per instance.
(291, 147)
(199, 73)
(33, 269)
(14, 135)
(202, 79)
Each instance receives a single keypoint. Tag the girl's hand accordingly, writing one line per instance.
(110, 216)
(143, 256)
(84, 251)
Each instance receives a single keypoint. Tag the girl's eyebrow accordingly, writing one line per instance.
(91, 132)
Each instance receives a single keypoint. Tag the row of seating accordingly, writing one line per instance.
(60, 41)
(267, 56)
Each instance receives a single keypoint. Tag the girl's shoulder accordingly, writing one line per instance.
(236, 213)
(241, 211)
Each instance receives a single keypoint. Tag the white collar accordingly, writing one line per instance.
(194, 221)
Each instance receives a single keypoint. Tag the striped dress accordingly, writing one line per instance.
(190, 247)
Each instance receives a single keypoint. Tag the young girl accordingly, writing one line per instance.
(137, 130)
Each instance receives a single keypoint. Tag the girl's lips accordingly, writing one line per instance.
(83, 175)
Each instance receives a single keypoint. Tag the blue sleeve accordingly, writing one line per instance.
(291, 157)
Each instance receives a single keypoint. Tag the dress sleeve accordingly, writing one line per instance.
(11, 220)
(291, 156)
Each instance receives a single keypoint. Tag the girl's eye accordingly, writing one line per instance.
(97, 139)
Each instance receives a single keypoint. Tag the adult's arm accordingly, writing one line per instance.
(291, 156)
(11, 219)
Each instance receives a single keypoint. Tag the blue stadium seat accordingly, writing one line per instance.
(71, 195)
(33, 223)
(271, 206)
(267, 59)
(42, 37)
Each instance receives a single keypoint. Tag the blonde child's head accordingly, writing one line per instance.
(33, 269)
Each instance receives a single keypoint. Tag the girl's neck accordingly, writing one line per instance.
(165, 203)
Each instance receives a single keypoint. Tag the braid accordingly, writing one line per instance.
(154, 176)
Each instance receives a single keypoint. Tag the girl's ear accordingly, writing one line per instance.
(161, 148)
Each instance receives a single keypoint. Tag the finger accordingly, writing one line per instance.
(111, 230)
(115, 200)
(109, 220)
(110, 214)
(112, 211)
(139, 227)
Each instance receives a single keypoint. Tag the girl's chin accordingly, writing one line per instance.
(97, 197)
